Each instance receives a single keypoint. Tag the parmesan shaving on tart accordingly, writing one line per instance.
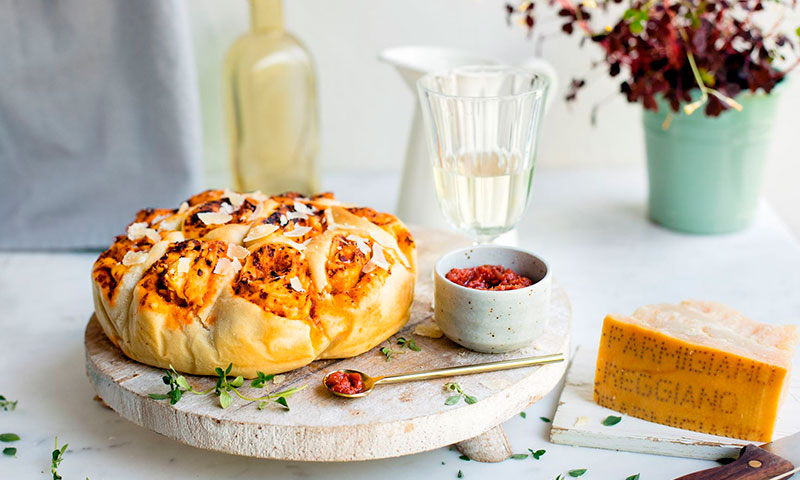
(266, 283)
(236, 199)
(184, 264)
(237, 251)
(152, 235)
(298, 231)
(170, 224)
(301, 247)
(226, 266)
(260, 231)
(259, 211)
(296, 285)
(297, 216)
(215, 218)
(226, 207)
(303, 209)
(134, 258)
(343, 219)
(377, 260)
(361, 243)
(136, 230)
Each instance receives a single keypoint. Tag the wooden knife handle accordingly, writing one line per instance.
(753, 464)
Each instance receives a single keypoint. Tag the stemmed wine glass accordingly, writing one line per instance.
(482, 125)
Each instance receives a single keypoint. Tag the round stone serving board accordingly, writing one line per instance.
(394, 420)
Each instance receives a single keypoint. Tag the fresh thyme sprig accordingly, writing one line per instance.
(261, 380)
(58, 456)
(177, 387)
(223, 388)
(408, 342)
(453, 399)
(404, 342)
(7, 405)
(388, 352)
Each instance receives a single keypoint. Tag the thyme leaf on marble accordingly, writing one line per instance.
(545, 419)
(7, 405)
(8, 437)
(611, 420)
(519, 456)
(537, 454)
(224, 388)
(465, 458)
(459, 394)
(10, 451)
(633, 477)
(58, 457)
(460, 474)
(577, 472)
(523, 414)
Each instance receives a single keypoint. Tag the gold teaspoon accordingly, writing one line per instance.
(370, 382)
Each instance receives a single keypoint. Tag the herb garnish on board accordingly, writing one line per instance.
(223, 388)
(453, 399)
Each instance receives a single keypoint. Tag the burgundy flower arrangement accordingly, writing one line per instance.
(672, 47)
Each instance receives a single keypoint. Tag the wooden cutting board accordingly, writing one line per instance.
(394, 420)
(578, 422)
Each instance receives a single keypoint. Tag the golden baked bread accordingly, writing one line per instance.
(266, 283)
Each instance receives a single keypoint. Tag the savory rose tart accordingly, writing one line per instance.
(266, 283)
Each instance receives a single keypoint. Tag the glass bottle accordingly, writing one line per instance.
(271, 104)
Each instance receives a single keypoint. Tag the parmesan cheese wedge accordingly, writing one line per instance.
(700, 366)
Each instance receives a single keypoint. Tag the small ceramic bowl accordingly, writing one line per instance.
(487, 320)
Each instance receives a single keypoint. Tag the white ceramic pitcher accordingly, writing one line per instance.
(417, 203)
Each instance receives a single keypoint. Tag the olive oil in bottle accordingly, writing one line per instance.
(271, 104)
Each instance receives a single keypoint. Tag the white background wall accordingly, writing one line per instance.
(366, 108)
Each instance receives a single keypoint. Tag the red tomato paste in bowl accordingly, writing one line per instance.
(488, 277)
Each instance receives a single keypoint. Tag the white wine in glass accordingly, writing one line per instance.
(485, 193)
(482, 125)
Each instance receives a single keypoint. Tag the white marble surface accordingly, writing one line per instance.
(589, 224)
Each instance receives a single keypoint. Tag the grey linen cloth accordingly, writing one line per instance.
(99, 117)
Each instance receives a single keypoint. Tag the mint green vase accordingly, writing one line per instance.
(706, 173)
